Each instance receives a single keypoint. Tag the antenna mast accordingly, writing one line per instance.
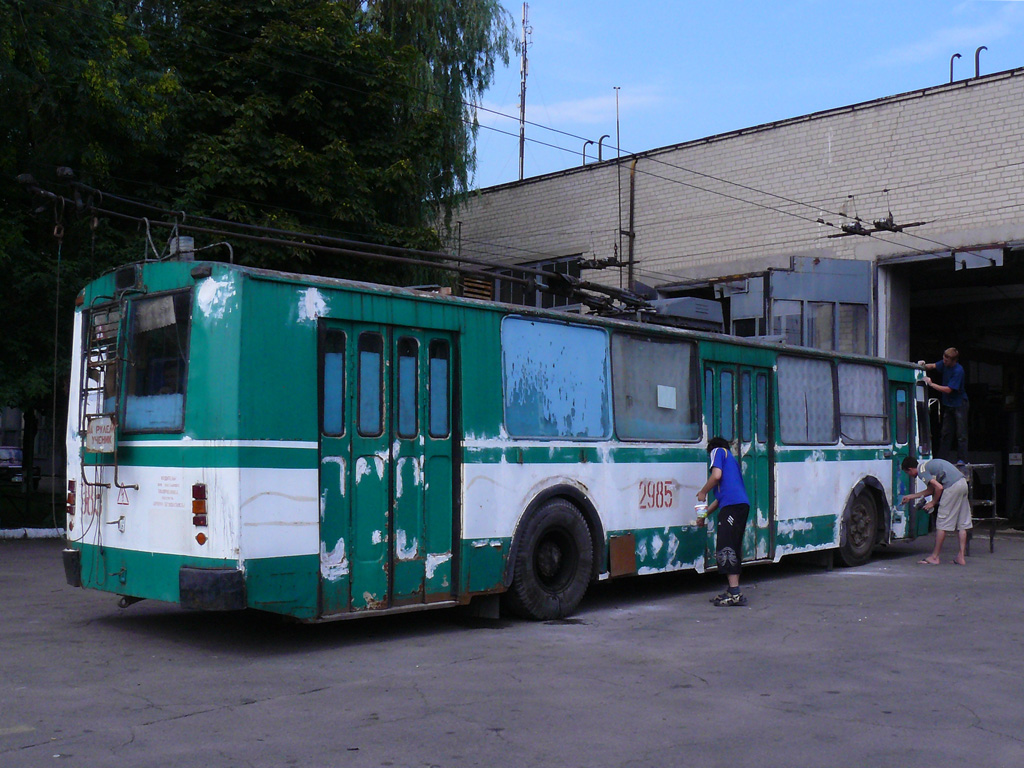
(523, 68)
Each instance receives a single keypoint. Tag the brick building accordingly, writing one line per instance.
(754, 221)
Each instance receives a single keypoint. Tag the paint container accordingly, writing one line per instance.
(702, 512)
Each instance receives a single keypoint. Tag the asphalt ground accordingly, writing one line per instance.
(890, 664)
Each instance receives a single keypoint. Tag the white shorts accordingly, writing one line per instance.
(954, 508)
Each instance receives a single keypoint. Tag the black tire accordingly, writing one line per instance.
(860, 530)
(553, 564)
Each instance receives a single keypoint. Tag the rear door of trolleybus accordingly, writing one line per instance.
(386, 469)
(901, 407)
(738, 408)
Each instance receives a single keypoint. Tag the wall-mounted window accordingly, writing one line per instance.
(806, 401)
(853, 328)
(788, 321)
(863, 412)
(557, 380)
(821, 325)
(655, 385)
(156, 372)
(515, 292)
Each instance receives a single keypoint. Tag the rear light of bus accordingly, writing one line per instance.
(71, 502)
(199, 516)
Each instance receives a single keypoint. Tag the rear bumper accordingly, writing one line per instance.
(211, 589)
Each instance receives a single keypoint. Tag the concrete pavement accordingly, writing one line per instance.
(891, 664)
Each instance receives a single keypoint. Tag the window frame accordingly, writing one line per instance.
(126, 350)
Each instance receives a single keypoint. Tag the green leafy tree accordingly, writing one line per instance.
(335, 117)
(78, 90)
(339, 116)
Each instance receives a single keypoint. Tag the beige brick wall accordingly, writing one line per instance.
(949, 156)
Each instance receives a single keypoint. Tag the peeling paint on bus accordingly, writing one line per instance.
(311, 305)
(213, 295)
(333, 564)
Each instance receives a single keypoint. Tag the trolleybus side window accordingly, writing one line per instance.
(439, 384)
(746, 417)
(158, 334)
(655, 386)
(762, 408)
(902, 417)
(334, 383)
(371, 381)
(728, 416)
(806, 401)
(407, 386)
(557, 380)
(863, 411)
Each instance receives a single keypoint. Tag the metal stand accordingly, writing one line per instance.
(981, 493)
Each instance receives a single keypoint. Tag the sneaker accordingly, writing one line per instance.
(729, 599)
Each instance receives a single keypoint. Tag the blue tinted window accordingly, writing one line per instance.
(902, 417)
(371, 374)
(728, 420)
(762, 408)
(439, 388)
(557, 380)
(407, 349)
(746, 415)
(709, 397)
(334, 383)
(158, 336)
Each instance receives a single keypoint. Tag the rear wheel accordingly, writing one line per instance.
(861, 530)
(553, 563)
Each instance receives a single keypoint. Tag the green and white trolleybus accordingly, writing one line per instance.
(325, 449)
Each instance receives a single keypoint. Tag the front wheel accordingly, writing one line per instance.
(553, 563)
(861, 529)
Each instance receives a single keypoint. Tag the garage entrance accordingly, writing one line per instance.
(974, 302)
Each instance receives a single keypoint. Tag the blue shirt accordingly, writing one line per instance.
(952, 377)
(730, 488)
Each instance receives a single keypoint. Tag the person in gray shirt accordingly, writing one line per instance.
(948, 488)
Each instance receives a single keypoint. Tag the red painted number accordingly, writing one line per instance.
(656, 494)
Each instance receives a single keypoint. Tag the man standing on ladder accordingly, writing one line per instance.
(954, 404)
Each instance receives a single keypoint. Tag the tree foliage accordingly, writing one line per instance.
(344, 117)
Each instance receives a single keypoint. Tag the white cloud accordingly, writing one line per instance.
(585, 111)
(943, 43)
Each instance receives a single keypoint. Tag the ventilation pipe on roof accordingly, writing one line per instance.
(977, 60)
(599, 143)
(954, 56)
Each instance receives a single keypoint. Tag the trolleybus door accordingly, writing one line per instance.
(422, 492)
(901, 419)
(738, 407)
(386, 499)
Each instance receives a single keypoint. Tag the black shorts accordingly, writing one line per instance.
(732, 521)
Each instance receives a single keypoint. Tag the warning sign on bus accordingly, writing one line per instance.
(99, 435)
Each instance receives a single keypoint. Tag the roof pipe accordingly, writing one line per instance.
(588, 141)
(599, 142)
(954, 56)
(977, 60)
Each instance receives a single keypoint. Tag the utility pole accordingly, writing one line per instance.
(523, 68)
(618, 177)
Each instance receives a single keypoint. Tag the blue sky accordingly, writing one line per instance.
(687, 70)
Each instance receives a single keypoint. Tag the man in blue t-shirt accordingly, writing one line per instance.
(733, 505)
(954, 404)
